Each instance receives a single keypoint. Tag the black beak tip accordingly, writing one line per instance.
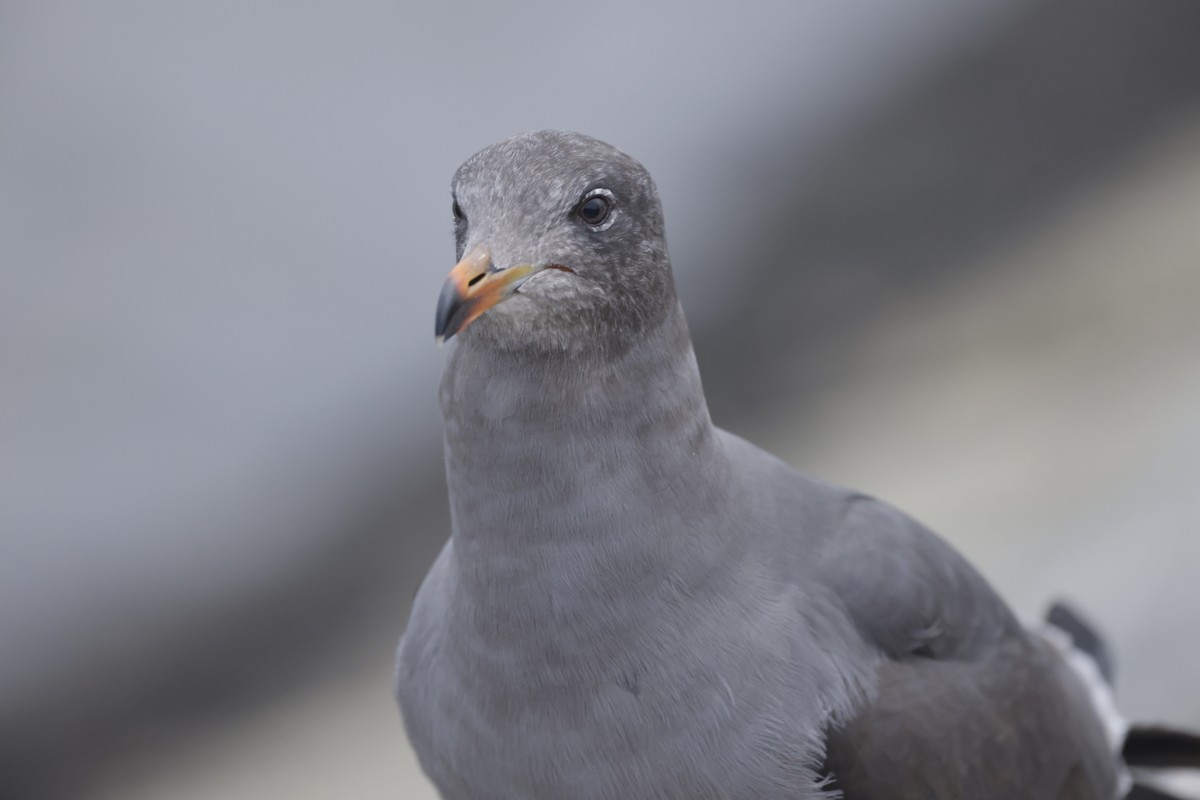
(450, 304)
(439, 332)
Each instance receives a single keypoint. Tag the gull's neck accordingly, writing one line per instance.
(562, 450)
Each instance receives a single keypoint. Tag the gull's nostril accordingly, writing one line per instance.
(476, 279)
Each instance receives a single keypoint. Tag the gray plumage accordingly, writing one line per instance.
(636, 604)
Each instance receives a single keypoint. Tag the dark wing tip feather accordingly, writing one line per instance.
(1142, 792)
(1157, 747)
(1084, 636)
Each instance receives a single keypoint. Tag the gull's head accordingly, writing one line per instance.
(561, 247)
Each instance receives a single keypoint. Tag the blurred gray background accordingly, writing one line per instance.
(946, 253)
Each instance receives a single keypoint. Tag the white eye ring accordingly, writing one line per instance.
(604, 213)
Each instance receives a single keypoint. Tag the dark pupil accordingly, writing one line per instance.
(456, 210)
(594, 210)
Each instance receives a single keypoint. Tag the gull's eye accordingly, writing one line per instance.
(595, 208)
(457, 211)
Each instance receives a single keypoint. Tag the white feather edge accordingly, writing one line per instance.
(1116, 727)
(1183, 783)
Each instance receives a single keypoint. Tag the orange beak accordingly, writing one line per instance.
(474, 286)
